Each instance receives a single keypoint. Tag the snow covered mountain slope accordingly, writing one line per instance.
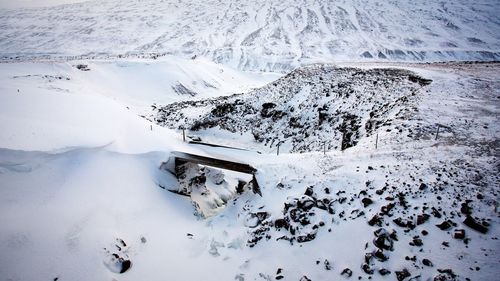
(259, 35)
(134, 83)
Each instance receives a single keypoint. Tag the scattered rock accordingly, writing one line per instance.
(427, 262)
(82, 67)
(366, 202)
(367, 269)
(416, 242)
(445, 275)
(126, 264)
(347, 272)
(375, 220)
(459, 234)
(404, 223)
(472, 223)
(384, 271)
(281, 223)
(327, 265)
(444, 225)
(379, 255)
(436, 213)
(422, 218)
(465, 208)
(401, 275)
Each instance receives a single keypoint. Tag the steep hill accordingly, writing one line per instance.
(308, 108)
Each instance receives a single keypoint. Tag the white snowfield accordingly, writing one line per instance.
(258, 35)
(80, 181)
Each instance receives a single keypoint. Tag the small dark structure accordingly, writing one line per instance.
(181, 158)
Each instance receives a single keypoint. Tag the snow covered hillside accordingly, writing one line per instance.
(258, 35)
(308, 108)
(134, 83)
(83, 195)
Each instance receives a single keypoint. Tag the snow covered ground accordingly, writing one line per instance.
(93, 96)
(81, 185)
(258, 35)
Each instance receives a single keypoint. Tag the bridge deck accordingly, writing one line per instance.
(214, 162)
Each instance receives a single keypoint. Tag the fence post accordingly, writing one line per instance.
(437, 132)
(183, 135)
(151, 127)
(324, 148)
(278, 151)
(376, 142)
(342, 142)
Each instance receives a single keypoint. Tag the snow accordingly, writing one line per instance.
(80, 173)
(92, 96)
(257, 35)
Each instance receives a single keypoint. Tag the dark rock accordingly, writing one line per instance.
(436, 213)
(375, 220)
(401, 275)
(368, 257)
(383, 242)
(82, 67)
(427, 262)
(444, 225)
(422, 218)
(305, 204)
(421, 81)
(126, 264)
(422, 186)
(394, 235)
(327, 265)
(459, 234)
(304, 278)
(384, 271)
(261, 216)
(445, 275)
(347, 272)
(281, 223)
(387, 208)
(306, 238)
(379, 255)
(465, 208)
(241, 186)
(380, 232)
(367, 269)
(366, 201)
(223, 109)
(472, 223)
(404, 223)
(402, 200)
(416, 242)
(309, 191)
